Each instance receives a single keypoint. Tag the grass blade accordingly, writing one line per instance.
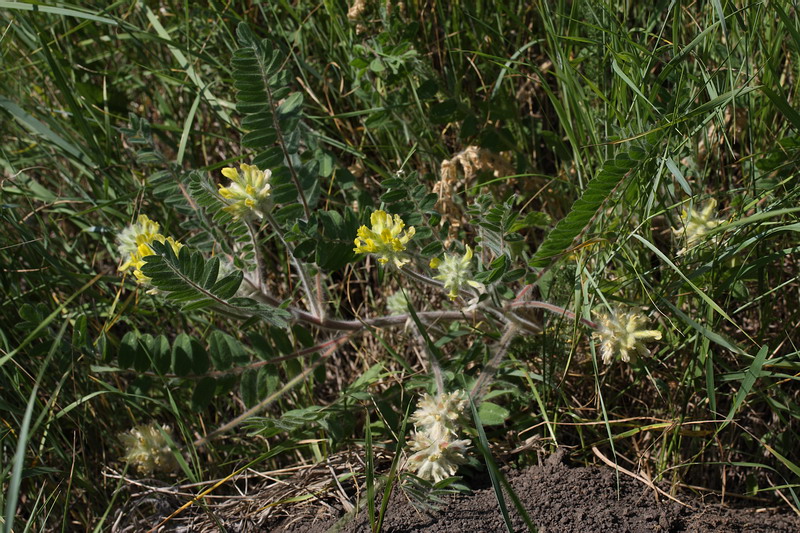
(491, 466)
(370, 473)
(750, 377)
(19, 455)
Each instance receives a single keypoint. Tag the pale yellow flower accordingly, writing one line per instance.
(455, 271)
(248, 191)
(436, 459)
(147, 449)
(621, 333)
(386, 239)
(696, 224)
(127, 238)
(135, 244)
(438, 416)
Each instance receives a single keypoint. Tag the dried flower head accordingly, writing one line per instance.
(248, 191)
(356, 10)
(147, 449)
(455, 271)
(386, 239)
(438, 416)
(621, 332)
(135, 244)
(696, 224)
(460, 172)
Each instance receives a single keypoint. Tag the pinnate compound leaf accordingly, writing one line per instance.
(185, 278)
(561, 237)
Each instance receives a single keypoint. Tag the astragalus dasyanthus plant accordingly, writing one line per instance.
(271, 201)
(403, 252)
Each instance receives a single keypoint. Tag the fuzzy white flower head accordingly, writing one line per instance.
(621, 332)
(142, 229)
(248, 191)
(436, 459)
(455, 271)
(146, 448)
(696, 224)
(397, 303)
(438, 416)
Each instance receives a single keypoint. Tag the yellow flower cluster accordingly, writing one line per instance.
(385, 239)
(134, 244)
(248, 191)
(455, 271)
(621, 332)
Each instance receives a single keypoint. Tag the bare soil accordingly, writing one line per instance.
(563, 499)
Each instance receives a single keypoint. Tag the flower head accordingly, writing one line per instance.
(455, 271)
(247, 191)
(621, 332)
(696, 224)
(135, 244)
(397, 303)
(386, 239)
(127, 238)
(438, 416)
(436, 459)
(147, 449)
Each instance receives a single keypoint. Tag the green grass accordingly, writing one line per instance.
(703, 95)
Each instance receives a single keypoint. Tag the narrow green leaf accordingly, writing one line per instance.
(66, 12)
(785, 107)
(18, 461)
(491, 466)
(39, 128)
(747, 383)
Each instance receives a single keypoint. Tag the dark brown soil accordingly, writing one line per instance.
(563, 499)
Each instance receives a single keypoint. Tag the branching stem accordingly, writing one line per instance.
(302, 273)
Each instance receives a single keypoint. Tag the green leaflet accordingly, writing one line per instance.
(584, 209)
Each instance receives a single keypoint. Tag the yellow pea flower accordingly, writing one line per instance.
(385, 239)
(127, 238)
(147, 449)
(696, 224)
(247, 191)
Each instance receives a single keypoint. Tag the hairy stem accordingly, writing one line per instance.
(257, 250)
(553, 309)
(305, 280)
(491, 367)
